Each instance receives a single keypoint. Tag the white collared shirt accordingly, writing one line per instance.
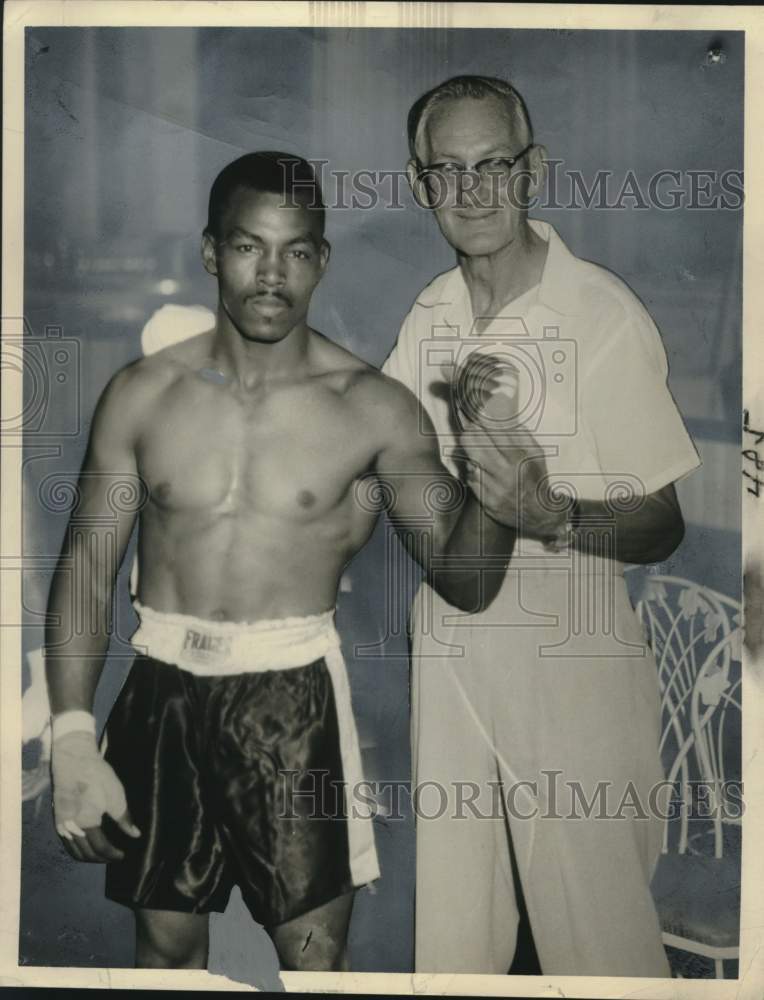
(592, 370)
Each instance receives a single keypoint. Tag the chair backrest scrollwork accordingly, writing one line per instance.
(696, 636)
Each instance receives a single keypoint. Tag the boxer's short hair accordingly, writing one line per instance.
(271, 171)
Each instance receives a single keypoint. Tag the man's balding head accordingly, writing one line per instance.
(474, 163)
(476, 88)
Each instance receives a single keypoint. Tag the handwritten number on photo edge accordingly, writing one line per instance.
(759, 435)
(756, 480)
(753, 456)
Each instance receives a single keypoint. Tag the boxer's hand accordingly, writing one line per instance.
(509, 479)
(84, 788)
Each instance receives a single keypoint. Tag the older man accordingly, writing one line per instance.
(547, 703)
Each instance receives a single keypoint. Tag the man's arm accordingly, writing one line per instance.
(648, 534)
(79, 614)
(638, 429)
(463, 552)
(510, 481)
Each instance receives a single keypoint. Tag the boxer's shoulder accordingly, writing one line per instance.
(385, 402)
(142, 381)
(172, 362)
(336, 367)
(180, 358)
(372, 397)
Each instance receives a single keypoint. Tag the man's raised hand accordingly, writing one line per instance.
(504, 464)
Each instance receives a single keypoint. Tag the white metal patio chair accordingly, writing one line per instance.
(695, 634)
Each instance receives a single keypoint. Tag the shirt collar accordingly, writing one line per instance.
(558, 289)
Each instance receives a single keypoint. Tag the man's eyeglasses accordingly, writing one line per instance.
(493, 167)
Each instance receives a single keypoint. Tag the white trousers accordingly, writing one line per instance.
(514, 728)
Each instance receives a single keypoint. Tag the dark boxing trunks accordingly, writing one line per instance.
(231, 780)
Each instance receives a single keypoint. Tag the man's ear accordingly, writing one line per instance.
(323, 254)
(537, 170)
(417, 184)
(209, 254)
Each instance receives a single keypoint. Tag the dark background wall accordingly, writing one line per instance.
(125, 130)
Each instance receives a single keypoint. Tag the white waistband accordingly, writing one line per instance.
(220, 648)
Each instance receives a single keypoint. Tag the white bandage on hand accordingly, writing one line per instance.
(84, 785)
(74, 720)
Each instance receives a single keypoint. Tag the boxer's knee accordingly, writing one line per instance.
(316, 941)
(169, 940)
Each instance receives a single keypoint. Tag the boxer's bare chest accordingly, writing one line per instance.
(289, 450)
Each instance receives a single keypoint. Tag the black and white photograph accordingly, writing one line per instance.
(381, 498)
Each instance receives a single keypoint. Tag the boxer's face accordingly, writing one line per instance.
(477, 215)
(268, 260)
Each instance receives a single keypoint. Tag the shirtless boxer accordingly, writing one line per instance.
(265, 452)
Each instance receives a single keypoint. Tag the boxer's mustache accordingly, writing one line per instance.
(271, 297)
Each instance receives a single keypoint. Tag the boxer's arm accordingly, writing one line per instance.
(79, 607)
(463, 552)
(109, 495)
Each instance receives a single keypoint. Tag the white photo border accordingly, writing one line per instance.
(19, 15)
